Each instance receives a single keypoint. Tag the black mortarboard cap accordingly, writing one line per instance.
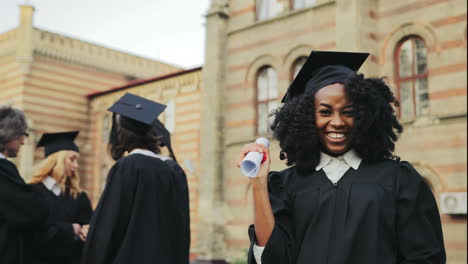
(138, 113)
(53, 142)
(323, 68)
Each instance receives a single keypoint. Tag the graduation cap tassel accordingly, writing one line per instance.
(171, 153)
(113, 133)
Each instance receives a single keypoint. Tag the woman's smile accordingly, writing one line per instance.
(334, 118)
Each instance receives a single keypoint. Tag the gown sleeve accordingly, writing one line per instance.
(20, 205)
(418, 220)
(278, 249)
(59, 238)
(84, 209)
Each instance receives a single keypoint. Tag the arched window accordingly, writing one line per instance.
(267, 96)
(267, 9)
(298, 4)
(169, 116)
(106, 127)
(411, 77)
(297, 65)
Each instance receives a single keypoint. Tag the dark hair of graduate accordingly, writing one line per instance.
(375, 131)
(122, 139)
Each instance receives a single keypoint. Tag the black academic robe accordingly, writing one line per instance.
(138, 216)
(58, 244)
(382, 213)
(184, 209)
(21, 211)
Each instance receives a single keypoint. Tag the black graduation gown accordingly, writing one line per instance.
(57, 244)
(184, 209)
(138, 218)
(382, 213)
(21, 211)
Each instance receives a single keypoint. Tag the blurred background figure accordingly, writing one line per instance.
(58, 180)
(138, 218)
(21, 209)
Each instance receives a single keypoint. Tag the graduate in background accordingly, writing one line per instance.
(22, 210)
(138, 218)
(347, 199)
(58, 180)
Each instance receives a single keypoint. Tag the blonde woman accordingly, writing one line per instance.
(58, 180)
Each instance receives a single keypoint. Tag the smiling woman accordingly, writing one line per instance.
(346, 197)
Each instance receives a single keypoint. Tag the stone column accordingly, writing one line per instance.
(25, 159)
(24, 58)
(353, 27)
(24, 50)
(211, 245)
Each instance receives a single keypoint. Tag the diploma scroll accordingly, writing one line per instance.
(251, 162)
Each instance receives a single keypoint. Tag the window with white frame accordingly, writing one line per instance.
(169, 116)
(106, 127)
(411, 77)
(268, 8)
(298, 4)
(267, 98)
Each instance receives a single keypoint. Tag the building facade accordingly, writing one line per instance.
(254, 49)
(48, 76)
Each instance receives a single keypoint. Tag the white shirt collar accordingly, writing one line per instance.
(52, 185)
(2, 156)
(350, 157)
(148, 153)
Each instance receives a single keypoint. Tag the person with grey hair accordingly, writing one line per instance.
(21, 209)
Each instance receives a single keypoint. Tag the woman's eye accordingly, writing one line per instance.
(349, 113)
(325, 112)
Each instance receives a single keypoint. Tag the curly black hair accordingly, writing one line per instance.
(373, 136)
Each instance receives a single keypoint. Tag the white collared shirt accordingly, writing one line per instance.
(334, 168)
(2, 156)
(52, 185)
(148, 153)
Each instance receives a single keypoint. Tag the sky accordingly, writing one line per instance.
(169, 31)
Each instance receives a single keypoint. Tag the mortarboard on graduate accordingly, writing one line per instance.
(137, 114)
(54, 142)
(323, 68)
(132, 122)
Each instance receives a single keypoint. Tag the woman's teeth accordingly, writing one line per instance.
(336, 135)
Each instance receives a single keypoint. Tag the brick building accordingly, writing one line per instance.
(253, 50)
(48, 76)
